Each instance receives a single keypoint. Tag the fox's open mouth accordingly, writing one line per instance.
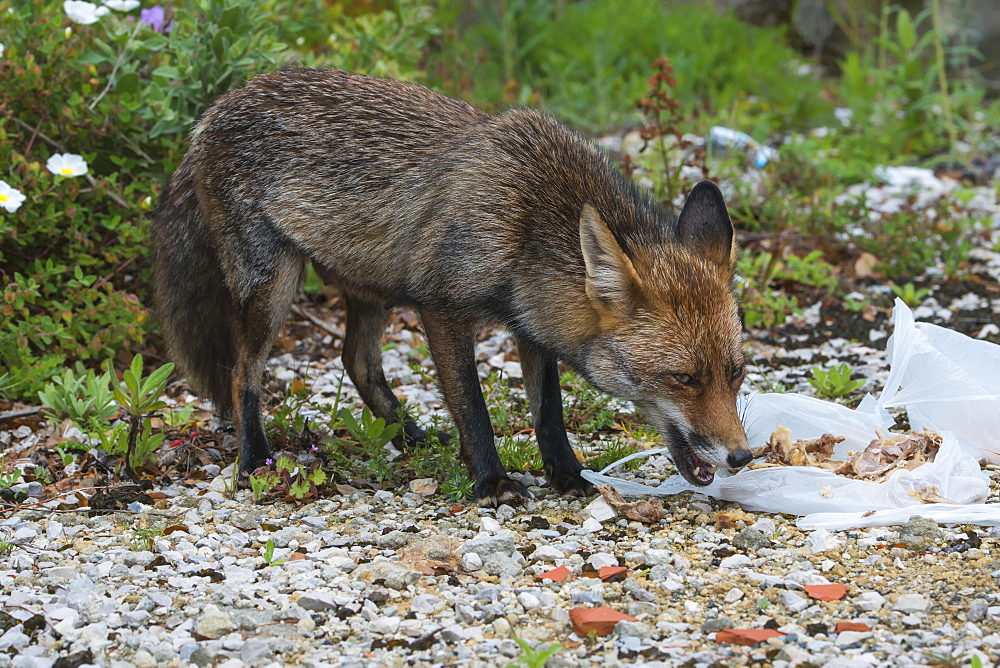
(694, 469)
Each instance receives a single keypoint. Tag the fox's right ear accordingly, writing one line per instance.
(612, 283)
(704, 225)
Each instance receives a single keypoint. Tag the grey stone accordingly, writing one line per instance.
(319, 601)
(588, 596)
(870, 601)
(793, 601)
(501, 565)
(394, 540)
(918, 533)
(717, 624)
(750, 540)
(255, 649)
(214, 623)
(143, 558)
(425, 603)
(626, 629)
(911, 603)
(486, 545)
(205, 655)
(977, 611)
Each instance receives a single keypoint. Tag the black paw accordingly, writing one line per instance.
(502, 492)
(570, 483)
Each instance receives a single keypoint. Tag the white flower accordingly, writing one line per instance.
(122, 5)
(10, 198)
(1, 50)
(83, 12)
(67, 164)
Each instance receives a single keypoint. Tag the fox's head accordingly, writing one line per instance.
(670, 335)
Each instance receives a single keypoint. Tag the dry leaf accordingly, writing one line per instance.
(646, 511)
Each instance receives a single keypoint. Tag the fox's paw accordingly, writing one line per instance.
(503, 492)
(570, 483)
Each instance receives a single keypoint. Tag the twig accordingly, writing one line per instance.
(114, 271)
(326, 327)
(19, 412)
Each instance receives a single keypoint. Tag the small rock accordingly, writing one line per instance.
(392, 574)
(318, 601)
(592, 596)
(850, 637)
(920, 532)
(502, 566)
(627, 629)
(254, 649)
(733, 595)
(214, 623)
(750, 540)
(547, 553)
(869, 601)
(795, 602)
(601, 559)
(528, 601)
(600, 510)
(384, 625)
(736, 561)
(911, 603)
(424, 486)
(471, 562)
(425, 603)
(716, 624)
(487, 545)
(977, 611)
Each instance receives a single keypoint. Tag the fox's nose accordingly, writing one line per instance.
(739, 459)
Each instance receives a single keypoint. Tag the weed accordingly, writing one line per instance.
(531, 657)
(834, 382)
(140, 397)
(295, 481)
(663, 116)
(608, 453)
(81, 396)
(262, 482)
(289, 427)
(763, 603)
(142, 534)
(911, 295)
(268, 554)
(368, 438)
(10, 478)
(6, 547)
(588, 410)
(519, 454)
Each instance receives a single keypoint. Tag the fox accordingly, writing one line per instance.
(403, 197)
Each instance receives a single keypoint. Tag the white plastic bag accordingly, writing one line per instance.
(835, 502)
(945, 381)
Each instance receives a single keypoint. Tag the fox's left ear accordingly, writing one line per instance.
(704, 225)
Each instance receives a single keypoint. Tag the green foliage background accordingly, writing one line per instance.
(73, 258)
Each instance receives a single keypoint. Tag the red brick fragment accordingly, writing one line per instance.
(612, 573)
(746, 637)
(852, 626)
(556, 574)
(599, 620)
(827, 592)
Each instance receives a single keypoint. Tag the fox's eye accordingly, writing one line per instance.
(685, 379)
(737, 374)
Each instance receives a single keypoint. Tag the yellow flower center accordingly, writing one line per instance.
(67, 171)
(3, 197)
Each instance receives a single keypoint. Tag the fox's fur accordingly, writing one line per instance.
(404, 197)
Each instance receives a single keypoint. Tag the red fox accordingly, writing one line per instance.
(404, 197)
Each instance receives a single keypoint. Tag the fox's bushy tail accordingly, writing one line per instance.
(194, 306)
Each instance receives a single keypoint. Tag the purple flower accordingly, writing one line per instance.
(268, 461)
(313, 448)
(154, 17)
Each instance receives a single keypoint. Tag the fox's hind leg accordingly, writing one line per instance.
(541, 382)
(362, 356)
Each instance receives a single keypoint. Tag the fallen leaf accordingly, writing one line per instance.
(598, 620)
(175, 528)
(864, 266)
(556, 574)
(827, 592)
(746, 637)
(296, 556)
(852, 626)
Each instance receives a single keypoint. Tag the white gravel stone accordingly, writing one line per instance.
(869, 601)
(794, 601)
(601, 559)
(911, 603)
(736, 561)
(734, 595)
(599, 509)
(547, 553)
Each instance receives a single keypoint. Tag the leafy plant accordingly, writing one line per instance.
(369, 435)
(139, 397)
(10, 478)
(262, 482)
(519, 454)
(834, 382)
(608, 453)
(268, 554)
(293, 479)
(532, 657)
(82, 396)
(911, 295)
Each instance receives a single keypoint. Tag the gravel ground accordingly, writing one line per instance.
(394, 577)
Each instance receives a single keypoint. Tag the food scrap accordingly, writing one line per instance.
(886, 454)
(646, 511)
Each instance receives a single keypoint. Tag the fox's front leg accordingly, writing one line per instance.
(452, 345)
(541, 382)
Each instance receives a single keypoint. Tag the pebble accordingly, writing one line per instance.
(911, 603)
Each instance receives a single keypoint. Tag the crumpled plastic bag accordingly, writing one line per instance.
(927, 379)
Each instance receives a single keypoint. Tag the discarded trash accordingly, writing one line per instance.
(954, 393)
(724, 138)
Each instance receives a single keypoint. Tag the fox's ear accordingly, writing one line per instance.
(612, 283)
(704, 225)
